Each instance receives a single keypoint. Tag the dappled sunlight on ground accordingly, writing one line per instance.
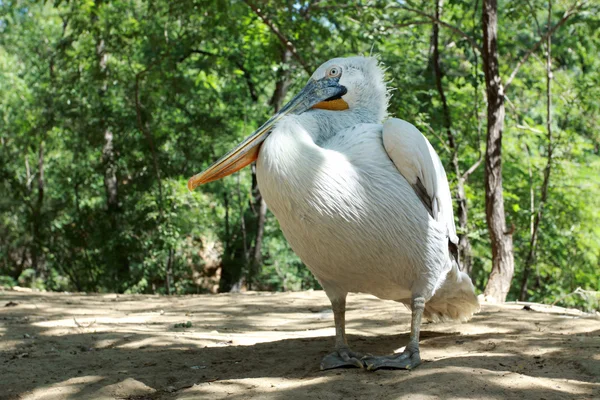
(268, 346)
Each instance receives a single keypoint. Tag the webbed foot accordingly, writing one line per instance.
(408, 359)
(342, 358)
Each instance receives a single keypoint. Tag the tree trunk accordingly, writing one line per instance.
(545, 183)
(37, 256)
(260, 230)
(502, 245)
(283, 81)
(281, 88)
(464, 245)
(108, 154)
(465, 251)
(169, 272)
(110, 176)
(117, 252)
(232, 279)
(37, 262)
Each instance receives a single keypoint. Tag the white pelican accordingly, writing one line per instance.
(364, 203)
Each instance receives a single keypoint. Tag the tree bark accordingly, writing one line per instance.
(283, 81)
(281, 88)
(36, 252)
(465, 251)
(260, 230)
(169, 273)
(546, 181)
(108, 154)
(118, 252)
(501, 241)
(464, 245)
(232, 279)
(110, 176)
(285, 41)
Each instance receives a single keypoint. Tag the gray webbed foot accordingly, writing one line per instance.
(408, 359)
(342, 358)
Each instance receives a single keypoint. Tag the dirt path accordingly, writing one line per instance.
(268, 346)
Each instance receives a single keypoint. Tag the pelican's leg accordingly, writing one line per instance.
(342, 356)
(409, 358)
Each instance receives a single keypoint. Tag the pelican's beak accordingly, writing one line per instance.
(325, 93)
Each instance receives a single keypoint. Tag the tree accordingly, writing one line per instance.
(464, 245)
(503, 264)
(107, 108)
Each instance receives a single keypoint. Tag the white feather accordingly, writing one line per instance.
(415, 158)
(346, 210)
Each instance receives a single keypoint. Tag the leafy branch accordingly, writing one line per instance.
(574, 9)
(282, 38)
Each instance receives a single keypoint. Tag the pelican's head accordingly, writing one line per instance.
(363, 80)
(353, 85)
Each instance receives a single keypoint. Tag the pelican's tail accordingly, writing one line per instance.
(454, 300)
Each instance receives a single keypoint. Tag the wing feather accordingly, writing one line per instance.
(420, 165)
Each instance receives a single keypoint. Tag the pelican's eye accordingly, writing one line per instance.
(334, 72)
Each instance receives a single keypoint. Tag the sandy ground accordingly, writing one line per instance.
(268, 346)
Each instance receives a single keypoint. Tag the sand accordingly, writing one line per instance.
(268, 346)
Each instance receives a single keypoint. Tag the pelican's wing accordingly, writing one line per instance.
(420, 165)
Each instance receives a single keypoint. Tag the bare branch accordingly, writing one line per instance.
(437, 135)
(411, 23)
(476, 114)
(282, 38)
(531, 255)
(473, 167)
(464, 247)
(438, 21)
(574, 9)
(306, 11)
(198, 51)
(248, 78)
(537, 23)
(528, 128)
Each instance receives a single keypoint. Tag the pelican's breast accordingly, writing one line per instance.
(346, 211)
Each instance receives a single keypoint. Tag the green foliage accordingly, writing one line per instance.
(7, 281)
(176, 84)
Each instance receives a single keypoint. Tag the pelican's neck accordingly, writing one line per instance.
(297, 140)
(288, 157)
(322, 125)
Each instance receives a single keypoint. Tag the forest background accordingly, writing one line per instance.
(108, 107)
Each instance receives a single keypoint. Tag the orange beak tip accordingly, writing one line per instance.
(191, 184)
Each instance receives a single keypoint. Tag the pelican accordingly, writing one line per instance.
(363, 200)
